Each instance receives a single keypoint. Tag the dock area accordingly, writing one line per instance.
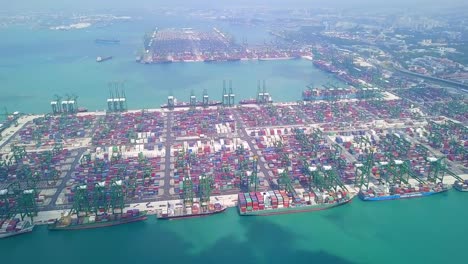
(152, 151)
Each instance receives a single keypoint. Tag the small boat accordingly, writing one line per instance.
(107, 41)
(101, 59)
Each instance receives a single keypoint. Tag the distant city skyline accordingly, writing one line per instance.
(135, 4)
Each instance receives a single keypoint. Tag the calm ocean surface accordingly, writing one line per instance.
(35, 64)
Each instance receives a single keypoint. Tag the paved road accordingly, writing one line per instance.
(243, 135)
(51, 205)
(167, 161)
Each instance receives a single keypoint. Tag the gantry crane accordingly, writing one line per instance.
(332, 179)
(99, 198)
(284, 182)
(19, 152)
(27, 204)
(253, 175)
(188, 189)
(204, 191)
(8, 203)
(437, 170)
(363, 171)
(401, 172)
(81, 201)
(312, 174)
(117, 196)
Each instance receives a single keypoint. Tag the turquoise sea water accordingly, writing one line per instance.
(36, 63)
(427, 230)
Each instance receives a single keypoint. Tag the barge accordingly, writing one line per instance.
(14, 227)
(396, 192)
(89, 222)
(179, 211)
(280, 202)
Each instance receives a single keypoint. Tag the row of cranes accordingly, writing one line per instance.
(319, 177)
(117, 101)
(189, 191)
(101, 198)
(247, 173)
(227, 98)
(397, 167)
(69, 104)
(16, 199)
(20, 194)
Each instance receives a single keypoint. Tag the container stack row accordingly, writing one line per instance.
(50, 129)
(129, 129)
(219, 159)
(258, 116)
(207, 122)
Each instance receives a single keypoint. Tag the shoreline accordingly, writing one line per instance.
(305, 57)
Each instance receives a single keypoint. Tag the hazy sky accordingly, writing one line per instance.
(87, 4)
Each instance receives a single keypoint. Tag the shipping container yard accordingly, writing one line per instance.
(107, 168)
(188, 45)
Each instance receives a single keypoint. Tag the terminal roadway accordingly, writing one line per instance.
(167, 160)
(63, 183)
(243, 135)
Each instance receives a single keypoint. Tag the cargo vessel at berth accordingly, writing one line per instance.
(179, 211)
(187, 104)
(395, 192)
(253, 101)
(280, 202)
(14, 227)
(93, 221)
(461, 186)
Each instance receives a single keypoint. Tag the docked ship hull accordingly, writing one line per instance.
(290, 210)
(55, 225)
(400, 196)
(461, 186)
(15, 233)
(191, 215)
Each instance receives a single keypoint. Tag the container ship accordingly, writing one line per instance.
(253, 101)
(187, 104)
(14, 227)
(461, 186)
(179, 211)
(280, 202)
(401, 192)
(82, 109)
(107, 41)
(93, 221)
(102, 59)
